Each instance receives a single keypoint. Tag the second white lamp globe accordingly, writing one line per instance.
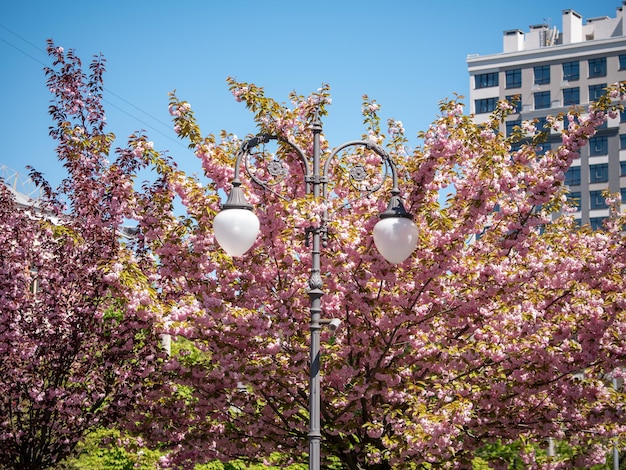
(395, 238)
(236, 230)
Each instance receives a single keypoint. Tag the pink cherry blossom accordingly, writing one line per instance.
(506, 323)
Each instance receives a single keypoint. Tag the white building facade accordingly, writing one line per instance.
(550, 71)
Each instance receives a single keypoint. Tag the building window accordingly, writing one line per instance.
(542, 100)
(485, 105)
(597, 223)
(599, 173)
(571, 96)
(575, 120)
(542, 123)
(622, 61)
(515, 101)
(622, 171)
(485, 80)
(597, 67)
(622, 116)
(597, 200)
(622, 141)
(574, 198)
(510, 125)
(542, 75)
(513, 78)
(598, 146)
(571, 71)
(622, 193)
(572, 177)
(543, 148)
(596, 91)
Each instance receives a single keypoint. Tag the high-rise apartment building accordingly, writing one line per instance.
(550, 71)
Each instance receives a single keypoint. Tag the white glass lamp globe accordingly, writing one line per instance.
(236, 230)
(395, 238)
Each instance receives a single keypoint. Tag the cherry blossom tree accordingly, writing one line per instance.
(79, 339)
(507, 322)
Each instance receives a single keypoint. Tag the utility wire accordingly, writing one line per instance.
(35, 59)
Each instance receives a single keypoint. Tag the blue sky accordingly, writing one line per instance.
(406, 54)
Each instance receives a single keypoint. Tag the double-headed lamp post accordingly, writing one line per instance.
(236, 228)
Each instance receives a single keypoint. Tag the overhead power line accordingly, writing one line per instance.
(108, 91)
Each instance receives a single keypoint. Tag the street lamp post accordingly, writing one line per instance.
(236, 228)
